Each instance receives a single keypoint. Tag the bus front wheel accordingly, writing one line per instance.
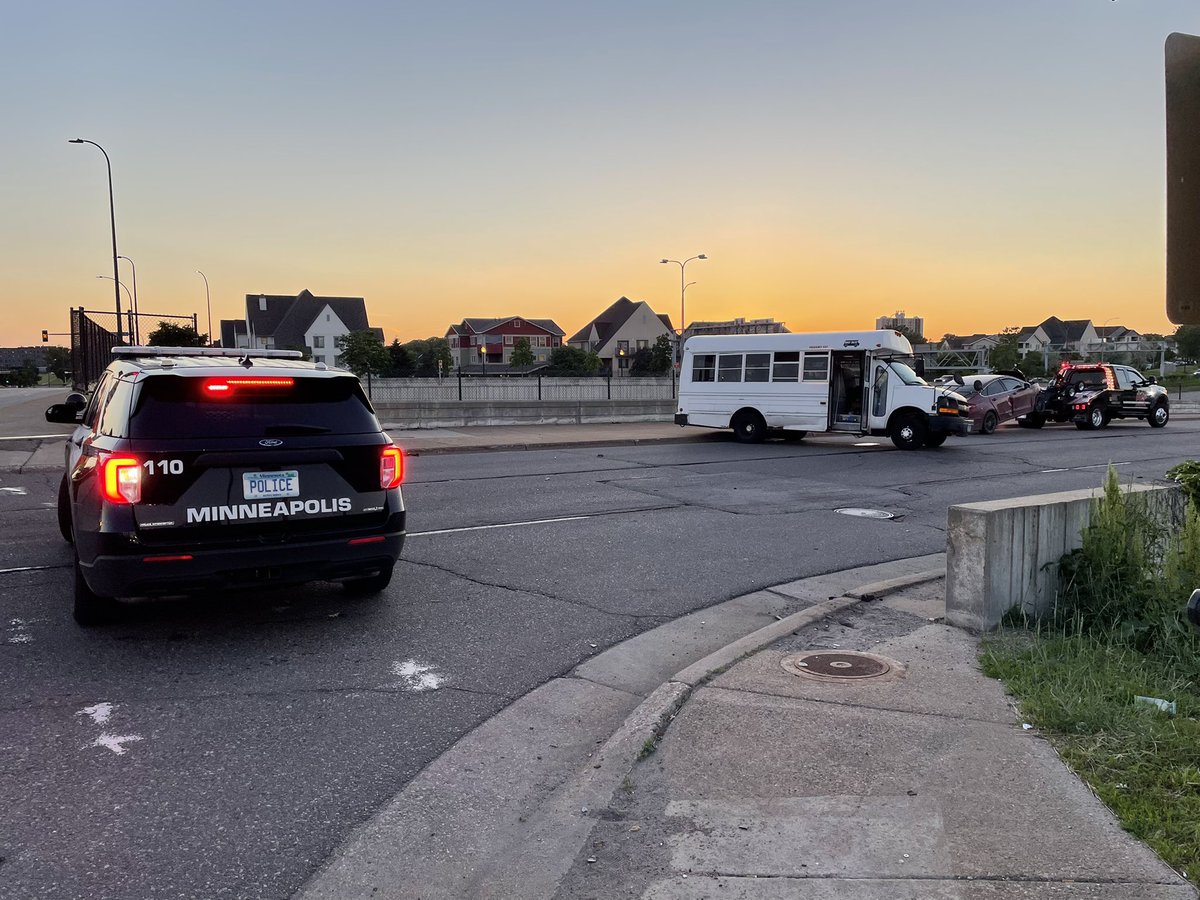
(909, 432)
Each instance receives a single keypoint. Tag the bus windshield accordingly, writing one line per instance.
(904, 372)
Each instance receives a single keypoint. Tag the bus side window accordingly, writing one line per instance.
(879, 392)
(704, 367)
(787, 366)
(816, 366)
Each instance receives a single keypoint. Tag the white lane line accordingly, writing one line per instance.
(29, 569)
(33, 437)
(15, 491)
(1081, 468)
(485, 527)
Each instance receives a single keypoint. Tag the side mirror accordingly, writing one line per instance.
(65, 414)
(1152, 380)
(977, 386)
(75, 399)
(958, 379)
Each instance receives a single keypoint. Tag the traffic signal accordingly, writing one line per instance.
(1183, 178)
(45, 336)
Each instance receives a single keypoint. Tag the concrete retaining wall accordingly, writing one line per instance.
(455, 414)
(1005, 553)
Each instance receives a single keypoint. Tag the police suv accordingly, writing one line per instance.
(200, 469)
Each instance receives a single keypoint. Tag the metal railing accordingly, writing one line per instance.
(498, 388)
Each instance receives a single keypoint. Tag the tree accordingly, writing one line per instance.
(664, 354)
(58, 361)
(1006, 353)
(26, 375)
(1033, 364)
(424, 355)
(642, 362)
(362, 352)
(168, 334)
(1187, 340)
(401, 365)
(914, 337)
(573, 361)
(521, 355)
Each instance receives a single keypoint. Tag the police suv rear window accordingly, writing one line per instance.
(172, 406)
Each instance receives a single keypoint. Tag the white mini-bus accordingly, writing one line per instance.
(858, 382)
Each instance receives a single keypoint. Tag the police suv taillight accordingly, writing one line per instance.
(121, 479)
(391, 468)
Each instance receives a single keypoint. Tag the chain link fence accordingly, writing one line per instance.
(486, 388)
(94, 333)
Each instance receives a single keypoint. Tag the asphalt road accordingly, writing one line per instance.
(225, 746)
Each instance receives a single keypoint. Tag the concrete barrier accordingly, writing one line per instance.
(1004, 553)
(461, 414)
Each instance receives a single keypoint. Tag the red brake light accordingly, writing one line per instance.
(222, 386)
(121, 479)
(391, 467)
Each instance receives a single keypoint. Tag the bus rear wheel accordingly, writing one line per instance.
(748, 427)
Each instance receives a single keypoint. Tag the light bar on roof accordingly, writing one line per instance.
(230, 352)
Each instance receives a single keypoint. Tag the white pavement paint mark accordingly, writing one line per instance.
(114, 742)
(867, 444)
(33, 437)
(18, 632)
(415, 676)
(17, 491)
(412, 534)
(1081, 468)
(28, 569)
(99, 714)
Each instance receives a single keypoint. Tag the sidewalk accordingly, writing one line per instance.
(919, 783)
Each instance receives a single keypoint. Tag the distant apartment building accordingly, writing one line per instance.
(620, 331)
(476, 343)
(899, 321)
(736, 326)
(304, 322)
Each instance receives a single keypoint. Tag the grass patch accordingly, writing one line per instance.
(1118, 631)
(1145, 765)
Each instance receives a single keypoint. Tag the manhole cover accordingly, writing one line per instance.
(864, 513)
(840, 665)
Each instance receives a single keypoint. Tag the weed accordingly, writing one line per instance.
(648, 748)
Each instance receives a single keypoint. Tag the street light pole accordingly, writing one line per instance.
(207, 303)
(112, 216)
(683, 286)
(122, 285)
(136, 331)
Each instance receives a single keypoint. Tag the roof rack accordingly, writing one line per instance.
(232, 352)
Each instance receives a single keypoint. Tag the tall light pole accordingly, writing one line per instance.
(112, 215)
(135, 330)
(683, 286)
(207, 303)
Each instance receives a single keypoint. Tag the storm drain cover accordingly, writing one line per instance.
(864, 513)
(840, 665)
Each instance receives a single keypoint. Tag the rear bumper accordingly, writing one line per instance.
(160, 571)
(681, 418)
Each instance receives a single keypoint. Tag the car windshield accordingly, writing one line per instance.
(904, 372)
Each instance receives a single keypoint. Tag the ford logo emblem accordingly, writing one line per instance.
(270, 442)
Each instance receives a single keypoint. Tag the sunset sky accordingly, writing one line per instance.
(980, 164)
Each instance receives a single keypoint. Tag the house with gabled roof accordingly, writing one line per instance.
(1032, 339)
(1070, 335)
(476, 343)
(977, 341)
(303, 322)
(626, 327)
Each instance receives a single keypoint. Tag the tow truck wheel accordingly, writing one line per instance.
(909, 433)
(1160, 415)
(64, 511)
(749, 427)
(91, 609)
(1097, 417)
(989, 423)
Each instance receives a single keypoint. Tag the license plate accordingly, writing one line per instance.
(270, 485)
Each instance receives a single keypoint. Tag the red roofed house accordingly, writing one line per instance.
(476, 342)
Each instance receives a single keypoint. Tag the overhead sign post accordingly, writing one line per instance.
(1183, 178)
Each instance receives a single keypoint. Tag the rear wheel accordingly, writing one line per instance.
(90, 608)
(909, 433)
(990, 421)
(1097, 417)
(372, 584)
(64, 510)
(1160, 415)
(748, 427)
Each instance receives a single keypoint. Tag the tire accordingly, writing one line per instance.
(1160, 415)
(990, 421)
(91, 609)
(1039, 403)
(1097, 417)
(372, 584)
(935, 440)
(909, 432)
(748, 427)
(64, 511)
